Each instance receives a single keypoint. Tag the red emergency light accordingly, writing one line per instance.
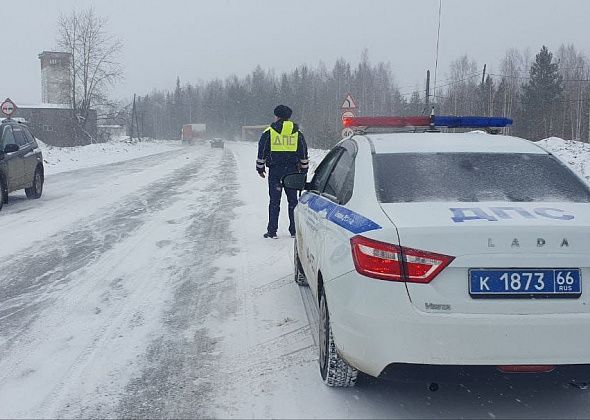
(419, 121)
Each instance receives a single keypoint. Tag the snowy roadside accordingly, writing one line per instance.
(267, 363)
(63, 159)
(574, 153)
(79, 316)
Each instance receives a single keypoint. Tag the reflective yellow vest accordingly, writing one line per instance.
(286, 140)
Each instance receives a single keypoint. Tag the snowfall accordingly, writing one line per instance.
(139, 285)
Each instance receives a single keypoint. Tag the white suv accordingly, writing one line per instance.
(445, 249)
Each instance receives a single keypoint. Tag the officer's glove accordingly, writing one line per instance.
(262, 173)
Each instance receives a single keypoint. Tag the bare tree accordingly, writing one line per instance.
(573, 67)
(513, 70)
(94, 59)
(461, 88)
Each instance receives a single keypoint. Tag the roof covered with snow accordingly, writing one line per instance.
(45, 106)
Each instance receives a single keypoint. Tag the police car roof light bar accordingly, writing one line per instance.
(428, 121)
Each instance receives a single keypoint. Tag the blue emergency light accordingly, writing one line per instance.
(471, 122)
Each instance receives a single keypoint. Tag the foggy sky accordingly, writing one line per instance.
(201, 40)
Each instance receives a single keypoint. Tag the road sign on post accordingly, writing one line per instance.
(348, 103)
(348, 110)
(347, 132)
(8, 107)
(347, 114)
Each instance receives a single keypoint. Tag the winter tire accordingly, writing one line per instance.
(333, 368)
(299, 275)
(37, 189)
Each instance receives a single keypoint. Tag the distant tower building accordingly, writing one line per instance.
(55, 77)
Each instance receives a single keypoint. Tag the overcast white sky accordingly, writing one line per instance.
(201, 40)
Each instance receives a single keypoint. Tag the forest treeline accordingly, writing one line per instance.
(546, 93)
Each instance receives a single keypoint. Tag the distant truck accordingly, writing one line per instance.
(193, 132)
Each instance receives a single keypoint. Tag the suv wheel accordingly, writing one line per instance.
(333, 368)
(299, 275)
(37, 189)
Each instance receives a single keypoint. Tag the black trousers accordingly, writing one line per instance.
(275, 190)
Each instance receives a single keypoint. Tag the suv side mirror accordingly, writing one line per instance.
(296, 181)
(11, 148)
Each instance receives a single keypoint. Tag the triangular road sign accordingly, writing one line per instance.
(348, 103)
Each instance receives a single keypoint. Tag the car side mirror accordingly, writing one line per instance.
(11, 148)
(296, 181)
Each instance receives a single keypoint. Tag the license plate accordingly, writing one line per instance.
(523, 283)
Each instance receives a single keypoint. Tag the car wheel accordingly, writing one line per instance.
(333, 368)
(299, 275)
(37, 189)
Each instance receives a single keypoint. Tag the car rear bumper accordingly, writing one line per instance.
(450, 374)
(376, 325)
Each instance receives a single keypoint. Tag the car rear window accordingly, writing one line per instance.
(472, 177)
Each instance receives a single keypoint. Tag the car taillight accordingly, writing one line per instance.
(384, 261)
(526, 368)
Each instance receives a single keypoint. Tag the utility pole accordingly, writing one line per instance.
(136, 118)
(491, 98)
(483, 92)
(132, 118)
(428, 90)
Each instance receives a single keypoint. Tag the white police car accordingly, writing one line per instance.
(430, 248)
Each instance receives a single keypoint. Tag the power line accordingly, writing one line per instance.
(510, 76)
(470, 76)
(520, 101)
(560, 68)
(454, 82)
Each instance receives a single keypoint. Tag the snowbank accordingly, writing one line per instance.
(574, 153)
(62, 159)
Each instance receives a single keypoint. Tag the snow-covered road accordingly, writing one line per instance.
(144, 289)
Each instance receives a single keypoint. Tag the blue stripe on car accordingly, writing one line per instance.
(343, 217)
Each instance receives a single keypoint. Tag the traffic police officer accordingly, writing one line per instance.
(283, 149)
